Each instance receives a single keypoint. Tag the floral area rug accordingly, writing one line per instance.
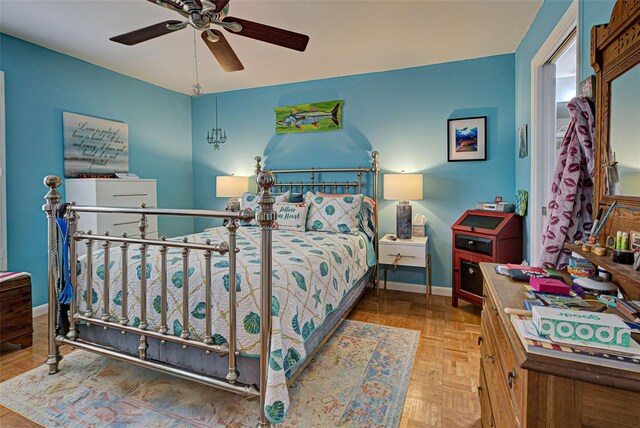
(358, 379)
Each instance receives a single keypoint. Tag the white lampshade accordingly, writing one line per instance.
(403, 187)
(231, 186)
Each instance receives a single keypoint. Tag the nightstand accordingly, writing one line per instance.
(412, 252)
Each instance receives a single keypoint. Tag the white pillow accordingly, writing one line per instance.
(331, 214)
(250, 200)
(291, 216)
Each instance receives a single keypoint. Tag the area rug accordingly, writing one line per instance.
(358, 379)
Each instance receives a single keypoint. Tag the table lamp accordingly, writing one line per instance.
(232, 187)
(403, 188)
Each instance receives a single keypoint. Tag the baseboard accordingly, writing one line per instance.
(40, 310)
(417, 288)
(391, 285)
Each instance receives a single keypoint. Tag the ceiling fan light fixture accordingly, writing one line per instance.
(211, 36)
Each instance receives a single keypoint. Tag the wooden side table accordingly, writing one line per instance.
(16, 319)
(412, 252)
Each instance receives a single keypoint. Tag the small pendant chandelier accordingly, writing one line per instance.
(217, 135)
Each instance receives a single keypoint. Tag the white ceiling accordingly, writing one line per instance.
(347, 37)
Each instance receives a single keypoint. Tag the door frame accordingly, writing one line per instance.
(539, 156)
(3, 178)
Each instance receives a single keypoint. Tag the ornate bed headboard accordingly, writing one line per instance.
(316, 184)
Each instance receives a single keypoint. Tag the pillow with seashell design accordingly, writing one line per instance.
(250, 200)
(331, 214)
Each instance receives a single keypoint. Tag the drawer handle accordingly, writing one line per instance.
(490, 357)
(125, 222)
(480, 339)
(472, 271)
(130, 194)
(397, 260)
(511, 377)
(400, 255)
(479, 391)
(484, 299)
(470, 242)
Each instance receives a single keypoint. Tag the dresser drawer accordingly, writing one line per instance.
(501, 409)
(410, 255)
(508, 370)
(127, 194)
(116, 224)
(474, 244)
(485, 403)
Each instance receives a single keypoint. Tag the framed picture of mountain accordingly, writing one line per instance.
(467, 139)
(312, 117)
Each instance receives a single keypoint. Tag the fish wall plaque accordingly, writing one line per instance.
(312, 117)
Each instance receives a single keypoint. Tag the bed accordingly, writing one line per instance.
(171, 304)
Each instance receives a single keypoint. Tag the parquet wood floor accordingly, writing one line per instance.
(442, 390)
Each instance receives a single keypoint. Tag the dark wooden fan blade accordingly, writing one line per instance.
(223, 52)
(268, 34)
(220, 4)
(144, 34)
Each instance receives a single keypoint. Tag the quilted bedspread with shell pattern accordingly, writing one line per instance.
(312, 272)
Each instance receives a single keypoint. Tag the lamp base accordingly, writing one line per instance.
(403, 221)
(233, 204)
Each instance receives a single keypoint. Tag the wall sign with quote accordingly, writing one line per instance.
(94, 147)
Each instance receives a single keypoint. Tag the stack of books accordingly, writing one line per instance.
(625, 358)
(629, 310)
(525, 273)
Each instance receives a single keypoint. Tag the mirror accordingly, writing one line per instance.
(624, 137)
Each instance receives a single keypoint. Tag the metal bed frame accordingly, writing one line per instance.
(266, 180)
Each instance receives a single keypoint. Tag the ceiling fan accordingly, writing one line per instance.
(202, 15)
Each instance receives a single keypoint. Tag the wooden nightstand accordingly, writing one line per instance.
(406, 252)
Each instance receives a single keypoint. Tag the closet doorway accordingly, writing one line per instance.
(554, 82)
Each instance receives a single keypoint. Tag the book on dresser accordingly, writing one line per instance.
(603, 355)
(107, 192)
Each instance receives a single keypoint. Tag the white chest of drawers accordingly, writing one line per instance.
(106, 192)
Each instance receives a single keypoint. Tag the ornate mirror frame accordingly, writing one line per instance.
(615, 49)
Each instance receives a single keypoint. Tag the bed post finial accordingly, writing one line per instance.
(375, 164)
(257, 168)
(266, 218)
(52, 199)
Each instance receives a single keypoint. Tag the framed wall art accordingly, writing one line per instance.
(312, 117)
(523, 142)
(467, 139)
(93, 146)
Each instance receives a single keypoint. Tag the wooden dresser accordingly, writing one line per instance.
(520, 389)
(16, 325)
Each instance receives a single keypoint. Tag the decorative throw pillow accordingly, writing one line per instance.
(327, 214)
(366, 211)
(250, 200)
(291, 216)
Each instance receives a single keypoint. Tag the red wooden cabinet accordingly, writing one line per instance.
(482, 236)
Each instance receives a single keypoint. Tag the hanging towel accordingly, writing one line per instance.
(570, 209)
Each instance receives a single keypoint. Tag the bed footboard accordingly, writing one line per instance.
(59, 273)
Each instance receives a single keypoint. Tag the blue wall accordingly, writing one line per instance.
(40, 85)
(402, 114)
(592, 12)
